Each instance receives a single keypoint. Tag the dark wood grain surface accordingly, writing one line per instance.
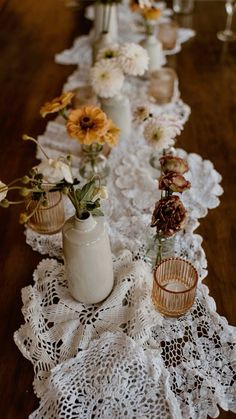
(31, 32)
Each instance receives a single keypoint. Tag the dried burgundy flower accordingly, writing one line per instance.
(169, 216)
(173, 164)
(174, 181)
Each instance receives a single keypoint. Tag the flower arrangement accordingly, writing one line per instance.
(52, 175)
(160, 131)
(89, 126)
(113, 63)
(169, 215)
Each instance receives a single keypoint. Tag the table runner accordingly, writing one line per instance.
(189, 361)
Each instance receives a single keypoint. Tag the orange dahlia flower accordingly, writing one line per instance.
(87, 124)
(112, 134)
(56, 104)
(151, 13)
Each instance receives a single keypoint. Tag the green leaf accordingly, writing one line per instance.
(87, 191)
(97, 212)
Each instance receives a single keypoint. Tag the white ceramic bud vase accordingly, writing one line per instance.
(101, 42)
(154, 50)
(88, 259)
(118, 109)
(106, 14)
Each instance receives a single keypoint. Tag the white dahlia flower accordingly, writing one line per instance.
(171, 122)
(107, 78)
(157, 135)
(133, 59)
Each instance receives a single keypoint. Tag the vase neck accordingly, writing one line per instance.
(85, 225)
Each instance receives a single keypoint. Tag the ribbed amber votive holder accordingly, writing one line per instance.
(47, 219)
(174, 286)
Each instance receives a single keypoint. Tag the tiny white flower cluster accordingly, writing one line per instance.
(114, 61)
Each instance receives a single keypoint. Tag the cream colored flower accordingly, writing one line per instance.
(56, 104)
(141, 114)
(108, 53)
(133, 59)
(3, 191)
(112, 134)
(158, 136)
(100, 193)
(87, 124)
(107, 78)
(54, 171)
(170, 121)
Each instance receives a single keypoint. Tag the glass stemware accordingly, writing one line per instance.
(227, 34)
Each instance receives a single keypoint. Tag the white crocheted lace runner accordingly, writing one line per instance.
(121, 358)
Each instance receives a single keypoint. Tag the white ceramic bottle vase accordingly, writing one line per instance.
(118, 109)
(105, 19)
(102, 41)
(88, 259)
(154, 50)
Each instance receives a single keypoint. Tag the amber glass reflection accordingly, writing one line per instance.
(162, 85)
(49, 219)
(167, 34)
(174, 286)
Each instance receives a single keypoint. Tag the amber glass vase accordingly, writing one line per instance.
(174, 286)
(47, 219)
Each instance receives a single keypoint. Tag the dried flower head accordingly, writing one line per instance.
(133, 59)
(173, 164)
(169, 216)
(87, 124)
(174, 182)
(107, 78)
(56, 104)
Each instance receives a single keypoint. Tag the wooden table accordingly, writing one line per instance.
(31, 33)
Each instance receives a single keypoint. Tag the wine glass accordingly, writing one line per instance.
(227, 34)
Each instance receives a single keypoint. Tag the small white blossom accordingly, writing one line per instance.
(3, 191)
(100, 193)
(103, 192)
(158, 136)
(142, 113)
(55, 170)
(107, 78)
(133, 59)
(108, 53)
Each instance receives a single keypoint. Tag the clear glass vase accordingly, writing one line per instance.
(93, 162)
(159, 249)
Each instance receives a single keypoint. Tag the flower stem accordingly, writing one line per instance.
(159, 250)
(62, 112)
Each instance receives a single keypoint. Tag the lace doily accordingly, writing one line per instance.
(196, 351)
(126, 377)
(121, 358)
